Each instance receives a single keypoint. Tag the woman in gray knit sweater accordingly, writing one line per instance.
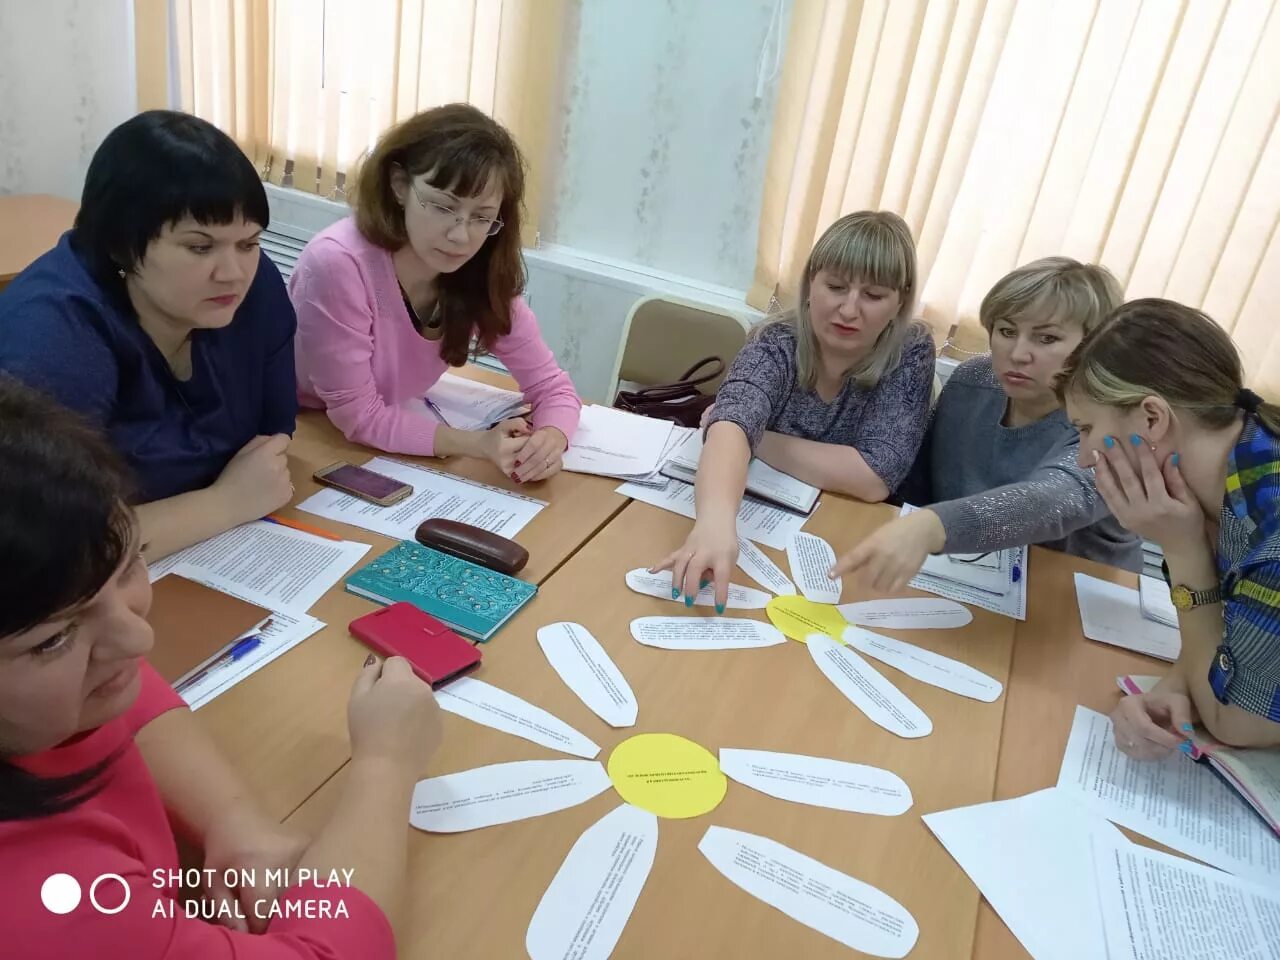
(998, 466)
(835, 392)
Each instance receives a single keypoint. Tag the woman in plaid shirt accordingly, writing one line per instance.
(1186, 456)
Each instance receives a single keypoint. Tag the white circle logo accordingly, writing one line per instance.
(93, 893)
(60, 893)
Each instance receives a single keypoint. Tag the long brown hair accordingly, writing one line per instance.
(1161, 348)
(460, 149)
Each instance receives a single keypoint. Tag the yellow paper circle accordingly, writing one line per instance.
(797, 617)
(667, 775)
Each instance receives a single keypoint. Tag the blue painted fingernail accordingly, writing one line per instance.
(1109, 442)
(688, 600)
(675, 593)
(719, 608)
(1175, 459)
(1135, 440)
(1186, 747)
(1188, 728)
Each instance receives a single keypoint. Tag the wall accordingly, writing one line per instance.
(662, 140)
(66, 79)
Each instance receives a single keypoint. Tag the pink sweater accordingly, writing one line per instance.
(359, 357)
(124, 830)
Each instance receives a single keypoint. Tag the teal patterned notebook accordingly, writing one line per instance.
(472, 599)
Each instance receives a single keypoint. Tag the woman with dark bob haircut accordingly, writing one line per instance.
(159, 318)
(427, 271)
(100, 761)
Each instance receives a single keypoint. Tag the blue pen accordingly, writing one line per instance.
(241, 649)
(1016, 573)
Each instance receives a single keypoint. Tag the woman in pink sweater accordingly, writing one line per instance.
(426, 271)
(98, 755)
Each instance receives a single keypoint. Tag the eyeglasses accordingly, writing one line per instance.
(477, 227)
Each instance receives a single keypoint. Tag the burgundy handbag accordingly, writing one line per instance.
(680, 402)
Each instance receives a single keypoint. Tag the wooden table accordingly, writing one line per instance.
(1054, 669)
(474, 893)
(285, 727)
(32, 224)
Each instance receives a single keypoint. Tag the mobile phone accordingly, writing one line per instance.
(435, 652)
(365, 484)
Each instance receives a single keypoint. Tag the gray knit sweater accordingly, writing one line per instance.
(996, 486)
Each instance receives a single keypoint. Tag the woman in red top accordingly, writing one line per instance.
(98, 756)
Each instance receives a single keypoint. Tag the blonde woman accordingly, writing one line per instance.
(999, 464)
(1186, 456)
(835, 392)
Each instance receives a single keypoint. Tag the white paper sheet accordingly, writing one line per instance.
(1110, 613)
(925, 665)
(1031, 858)
(882, 702)
(755, 563)
(590, 899)
(494, 707)
(589, 672)
(435, 494)
(503, 793)
(818, 781)
(466, 404)
(911, 613)
(705, 633)
(659, 585)
(757, 520)
(279, 635)
(1175, 801)
(811, 558)
(614, 443)
(995, 581)
(1156, 906)
(1156, 600)
(763, 480)
(833, 903)
(269, 564)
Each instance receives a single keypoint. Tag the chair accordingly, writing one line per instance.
(664, 336)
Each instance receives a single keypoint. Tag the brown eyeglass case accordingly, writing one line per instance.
(474, 544)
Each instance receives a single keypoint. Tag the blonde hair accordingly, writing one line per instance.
(1052, 289)
(1164, 349)
(875, 247)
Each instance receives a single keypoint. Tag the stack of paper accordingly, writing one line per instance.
(1109, 613)
(757, 521)
(1156, 602)
(614, 443)
(470, 405)
(763, 480)
(995, 581)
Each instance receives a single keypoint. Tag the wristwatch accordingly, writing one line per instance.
(1184, 598)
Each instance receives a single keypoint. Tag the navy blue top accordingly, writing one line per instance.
(62, 332)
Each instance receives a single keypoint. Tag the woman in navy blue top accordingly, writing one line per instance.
(159, 318)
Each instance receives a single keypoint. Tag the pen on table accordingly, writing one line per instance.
(299, 525)
(239, 651)
(435, 409)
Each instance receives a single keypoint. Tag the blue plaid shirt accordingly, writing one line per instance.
(1246, 670)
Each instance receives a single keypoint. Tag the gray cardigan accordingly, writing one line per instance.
(996, 486)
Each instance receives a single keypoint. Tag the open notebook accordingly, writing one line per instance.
(1252, 773)
(471, 405)
(995, 581)
(763, 481)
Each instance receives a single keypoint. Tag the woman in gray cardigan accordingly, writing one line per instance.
(998, 466)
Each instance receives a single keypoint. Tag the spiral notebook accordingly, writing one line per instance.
(474, 600)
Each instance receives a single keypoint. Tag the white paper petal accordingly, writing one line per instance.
(835, 904)
(659, 585)
(590, 899)
(755, 563)
(925, 665)
(811, 558)
(867, 689)
(589, 672)
(494, 707)
(910, 613)
(504, 792)
(705, 633)
(818, 781)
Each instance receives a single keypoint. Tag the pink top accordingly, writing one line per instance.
(359, 357)
(123, 830)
